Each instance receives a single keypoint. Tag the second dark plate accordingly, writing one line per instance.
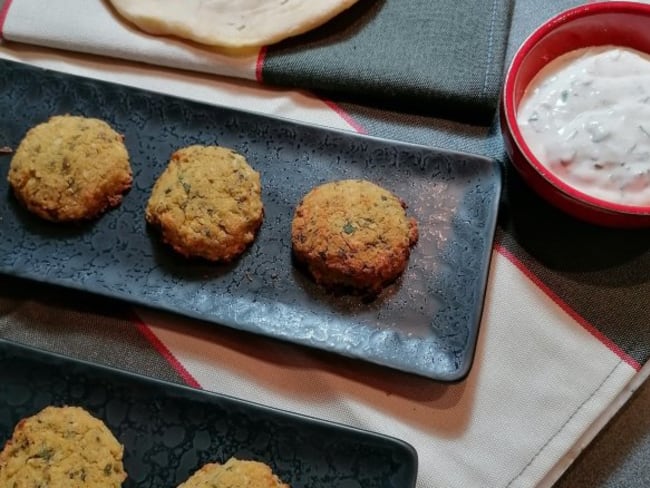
(169, 431)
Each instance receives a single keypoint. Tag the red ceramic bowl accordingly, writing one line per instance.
(618, 23)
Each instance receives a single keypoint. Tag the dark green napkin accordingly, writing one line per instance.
(437, 57)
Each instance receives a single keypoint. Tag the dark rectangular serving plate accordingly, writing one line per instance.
(425, 323)
(168, 431)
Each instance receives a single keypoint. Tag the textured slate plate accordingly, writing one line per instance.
(168, 431)
(426, 323)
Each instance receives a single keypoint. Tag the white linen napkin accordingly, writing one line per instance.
(30, 22)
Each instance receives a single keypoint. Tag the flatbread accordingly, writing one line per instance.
(230, 23)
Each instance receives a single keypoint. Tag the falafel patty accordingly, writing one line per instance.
(70, 168)
(234, 473)
(207, 203)
(353, 234)
(62, 447)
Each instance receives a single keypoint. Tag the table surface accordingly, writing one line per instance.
(617, 456)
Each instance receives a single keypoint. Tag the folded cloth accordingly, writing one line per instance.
(443, 58)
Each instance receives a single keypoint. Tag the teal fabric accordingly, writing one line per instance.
(442, 58)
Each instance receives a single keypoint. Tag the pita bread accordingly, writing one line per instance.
(230, 23)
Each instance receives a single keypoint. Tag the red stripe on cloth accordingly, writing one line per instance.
(345, 116)
(3, 16)
(259, 76)
(259, 66)
(165, 352)
(567, 309)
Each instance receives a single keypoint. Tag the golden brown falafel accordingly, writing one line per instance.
(353, 234)
(207, 203)
(234, 473)
(62, 447)
(70, 168)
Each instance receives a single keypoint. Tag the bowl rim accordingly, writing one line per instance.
(510, 114)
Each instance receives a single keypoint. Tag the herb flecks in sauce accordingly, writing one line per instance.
(586, 116)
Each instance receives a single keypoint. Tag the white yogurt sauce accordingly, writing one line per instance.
(586, 116)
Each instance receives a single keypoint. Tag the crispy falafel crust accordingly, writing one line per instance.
(70, 168)
(234, 473)
(207, 203)
(353, 234)
(62, 447)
